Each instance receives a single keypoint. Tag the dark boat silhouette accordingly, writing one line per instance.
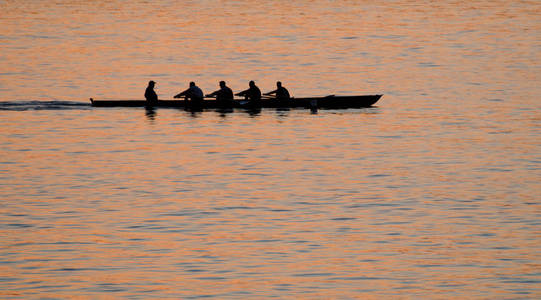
(328, 102)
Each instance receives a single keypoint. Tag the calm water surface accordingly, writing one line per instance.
(433, 193)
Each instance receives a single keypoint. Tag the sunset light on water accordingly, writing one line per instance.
(432, 193)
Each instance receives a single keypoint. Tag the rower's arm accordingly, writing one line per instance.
(213, 94)
(242, 93)
(271, 92)
(182, 94)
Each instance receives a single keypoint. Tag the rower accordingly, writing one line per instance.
(224, 95)
(281, 93)
(253, 94)
(194, 93)
(150, 94)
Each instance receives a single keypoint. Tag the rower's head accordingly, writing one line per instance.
(192, 83)
(278, 84)
(222, 83)
(151, 83)
(252, 83)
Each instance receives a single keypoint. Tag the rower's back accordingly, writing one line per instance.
(254, 94)
(225, 94)
(150, 94)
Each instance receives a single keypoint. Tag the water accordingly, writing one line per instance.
(433, 193)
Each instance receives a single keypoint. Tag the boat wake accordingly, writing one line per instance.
(42, 105)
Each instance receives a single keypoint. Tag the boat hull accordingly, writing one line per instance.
(329, 102)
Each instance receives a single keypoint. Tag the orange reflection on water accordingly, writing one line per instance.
(431, 194)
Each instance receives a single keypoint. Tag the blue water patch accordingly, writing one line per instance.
(343, 219)
(76, 269)
(202, 296)
(313, 274)
(212, 278)
(8, 279)
(428, 65)
(110, 287)
(195, 270)
(18, 225)
(388, 37)
(267, 241)
(429, 266)
(33, 36)
(49, 286)
(233, 207)
(356, 278)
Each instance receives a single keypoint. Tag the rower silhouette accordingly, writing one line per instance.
(253, 94)
(150, 94)
(282, 94)
(193, 93)
(224, 95)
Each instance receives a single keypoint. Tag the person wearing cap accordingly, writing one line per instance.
(282, 94)
(150, 94)
(224, 95)
(253, 94)
(194, 93)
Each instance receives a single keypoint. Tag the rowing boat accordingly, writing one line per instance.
(328, 102)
